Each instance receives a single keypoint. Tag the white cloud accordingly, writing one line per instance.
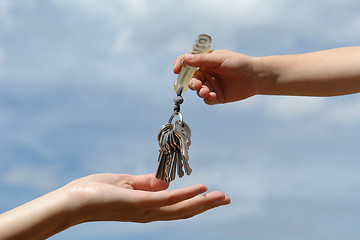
(286, 108)
(252, 182)
(123, 43)
(39, 177)
(138, 6)
(150, 35)
(5, 15)
(113, 11)
(332, 110)
(279, 107)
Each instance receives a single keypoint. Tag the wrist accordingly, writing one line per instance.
(38, 219)
(62, 214)
(266, 75)
(72, 205)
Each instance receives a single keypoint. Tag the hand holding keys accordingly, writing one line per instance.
(174, 139)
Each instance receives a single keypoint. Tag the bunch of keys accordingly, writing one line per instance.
(174, 142)
(174, 138)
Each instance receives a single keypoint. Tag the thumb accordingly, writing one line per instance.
(148, 182)
(204, 60)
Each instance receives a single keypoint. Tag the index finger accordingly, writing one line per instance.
(177, 64)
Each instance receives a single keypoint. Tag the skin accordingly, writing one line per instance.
(106, 197)
(226, 76)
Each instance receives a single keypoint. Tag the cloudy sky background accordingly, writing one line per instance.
(85, 86)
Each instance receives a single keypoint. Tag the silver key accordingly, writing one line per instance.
(175, 163)
(183, 131)
(161, 167)
(187, 168)
(172, 166)
(179, 164)
(162, 135)
(178, 159)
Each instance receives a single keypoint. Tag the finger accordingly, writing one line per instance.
(177, 64)
(208, 85)
(148, 182)
(166, 198)
(212, 99)
(197, 80)
(204, 60)
(194, 206)
(195, 84)
(205, 207)
(204, 91)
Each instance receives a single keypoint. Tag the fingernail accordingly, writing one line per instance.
(191, 85)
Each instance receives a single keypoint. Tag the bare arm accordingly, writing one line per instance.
(324, 73)
(38, 219)
(106, 197)
(226, 76)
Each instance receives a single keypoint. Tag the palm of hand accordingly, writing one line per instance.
(121, 197)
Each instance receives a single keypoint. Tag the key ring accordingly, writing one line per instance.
(174, 114)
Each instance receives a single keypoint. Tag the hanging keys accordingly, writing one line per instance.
(174, 145)
(174, 139)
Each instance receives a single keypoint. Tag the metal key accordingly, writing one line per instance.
(162, 136)
(179, 159)
(183, 131)
(171, 160)
(187, 167)
(172, 166)
(161, 167)
(164, 156)
(179, 164)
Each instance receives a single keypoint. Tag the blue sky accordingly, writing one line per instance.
(86, 85)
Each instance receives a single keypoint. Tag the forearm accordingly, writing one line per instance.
(38, 219)
(324, 73)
